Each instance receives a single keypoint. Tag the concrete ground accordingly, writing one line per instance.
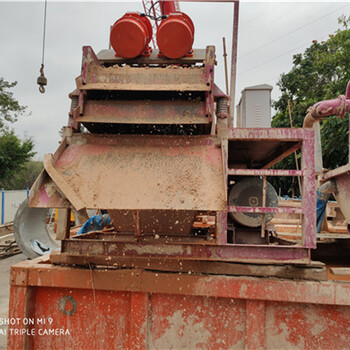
(5, 265)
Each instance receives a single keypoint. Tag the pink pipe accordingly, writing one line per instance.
(338, 106)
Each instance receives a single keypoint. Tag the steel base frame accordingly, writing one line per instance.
(93, 250)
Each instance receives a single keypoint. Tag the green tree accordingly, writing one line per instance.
(10, 109)
(24, 177)
(320, 73)
(14, 153)
(30, 173)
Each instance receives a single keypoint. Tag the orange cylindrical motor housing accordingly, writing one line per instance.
(175, 35)
(130, 35)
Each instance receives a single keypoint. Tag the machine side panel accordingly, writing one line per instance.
(143, 172)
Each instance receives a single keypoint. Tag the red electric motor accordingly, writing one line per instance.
(130, 35)
(175, 35)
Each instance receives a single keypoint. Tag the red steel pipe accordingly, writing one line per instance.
(167, 7)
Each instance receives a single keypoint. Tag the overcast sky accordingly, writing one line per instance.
(269, 34)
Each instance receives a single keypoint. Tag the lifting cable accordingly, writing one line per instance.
(42, 80)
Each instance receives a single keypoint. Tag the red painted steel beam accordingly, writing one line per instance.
(283, 210)
(270, 134)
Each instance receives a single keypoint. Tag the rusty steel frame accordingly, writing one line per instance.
(305, 141)
(94, 76)
(140, 309)
(220, 250)
(68, 177)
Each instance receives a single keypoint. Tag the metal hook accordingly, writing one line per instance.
(42, 81)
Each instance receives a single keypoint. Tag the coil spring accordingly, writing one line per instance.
(74, 102)
(222, 107)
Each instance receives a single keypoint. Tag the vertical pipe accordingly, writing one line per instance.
(263, 205)
(167, 7)
(2, 206)
(233, 62)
